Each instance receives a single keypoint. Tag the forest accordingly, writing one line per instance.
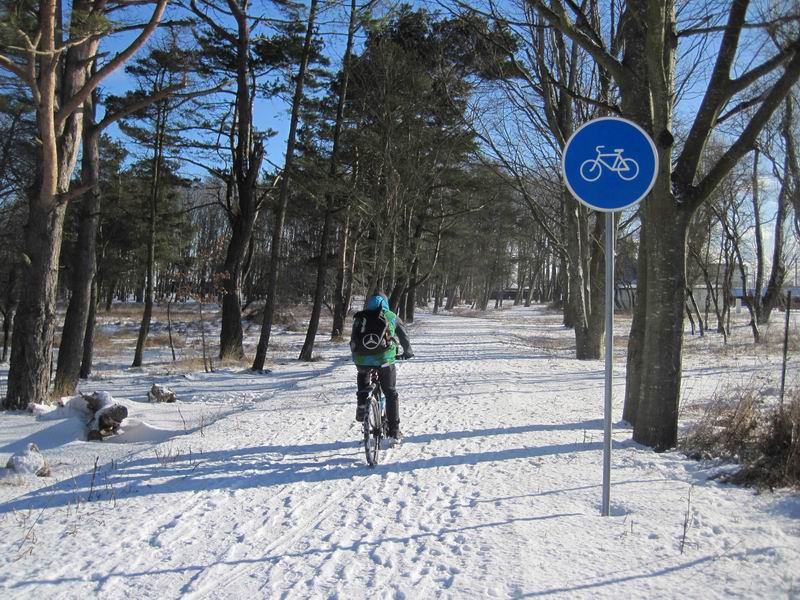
(253, 155)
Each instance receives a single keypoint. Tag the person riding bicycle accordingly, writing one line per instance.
(373, 343)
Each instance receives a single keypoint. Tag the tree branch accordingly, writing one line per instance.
(10, 65)
(747, 139)
(717, 95)
(746, 79)
(220, 31)
(74, 193)
(77, 100)
(720, 28)
(600, 54)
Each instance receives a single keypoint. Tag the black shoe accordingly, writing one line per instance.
(396, 436)
(361, 409)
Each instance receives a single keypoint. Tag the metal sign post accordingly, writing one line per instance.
(609, 164)
(611, 231)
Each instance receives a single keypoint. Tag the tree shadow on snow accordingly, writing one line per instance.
(276, 465)
(648, 573)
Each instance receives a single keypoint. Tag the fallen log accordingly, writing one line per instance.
(160, 393)
(108, 415)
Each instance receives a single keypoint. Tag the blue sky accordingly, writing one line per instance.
(269, 113)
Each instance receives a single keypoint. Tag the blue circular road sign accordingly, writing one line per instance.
(610, 164)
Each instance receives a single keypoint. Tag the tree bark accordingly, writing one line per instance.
(340, 307)
(84, 262)
(231, 334)
(144, 327)
(411, 294)
(758, 284)
(773, 292)
(34, 325)
(88, 338)
(660, 351)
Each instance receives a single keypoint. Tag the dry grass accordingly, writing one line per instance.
(778, 450)
(726, 427)
(293, 318)
(773, 338)
(162, 339)
(178, 312)
(103, 341)
(765, 441)
(185, 365)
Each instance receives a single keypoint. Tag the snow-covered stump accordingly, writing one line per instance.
(108, 415)
(31, 461)
(159, 393)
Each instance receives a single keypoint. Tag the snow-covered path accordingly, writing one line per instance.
(494, 493)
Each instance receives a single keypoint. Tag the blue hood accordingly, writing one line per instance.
(377, 302)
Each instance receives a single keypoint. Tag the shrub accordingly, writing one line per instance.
(726, 429)
(765, 441)
(778, 450)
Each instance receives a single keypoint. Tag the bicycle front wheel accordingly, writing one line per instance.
(372, 432)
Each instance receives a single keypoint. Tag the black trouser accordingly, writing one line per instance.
(388, 377)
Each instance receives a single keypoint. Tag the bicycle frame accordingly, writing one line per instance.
(601, 156)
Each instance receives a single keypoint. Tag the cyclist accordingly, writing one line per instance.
(383, 360)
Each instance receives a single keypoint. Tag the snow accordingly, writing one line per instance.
(256, 485)
(27, 463)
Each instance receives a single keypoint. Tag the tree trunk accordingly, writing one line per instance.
(10, 309)
(110, 294)
(319, 290)
(586, 295)
(437, 296)
(247, 155)
(747, 301)
(88, 338)
(340, 307)
(773, 293)
(700, 322)
(35, 322)
(347, 296)
(231, 334)
(84, 262)
(307, 350)
(277, 235)
(758, 284)
(521, 271)
(655, 346)
(144, 327)
(411, 294)
(59, 143)
(564, 283)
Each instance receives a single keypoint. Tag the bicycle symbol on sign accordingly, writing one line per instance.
(626, 168)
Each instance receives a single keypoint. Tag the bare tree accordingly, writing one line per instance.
(650, 38)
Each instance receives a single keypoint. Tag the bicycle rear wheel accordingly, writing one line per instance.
(372, 432)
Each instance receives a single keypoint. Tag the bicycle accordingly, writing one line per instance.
(626, 168)
(376, 426)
